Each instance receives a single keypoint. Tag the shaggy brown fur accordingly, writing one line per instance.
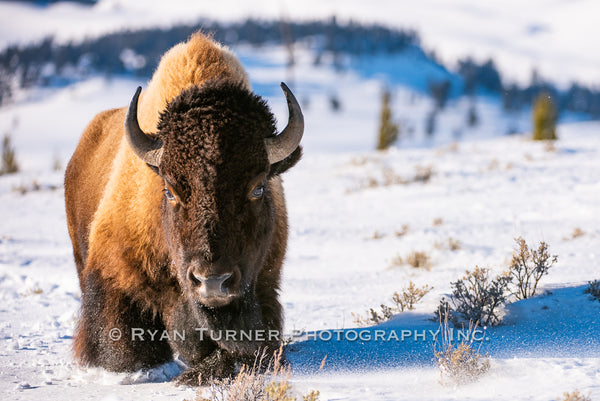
(137, 251)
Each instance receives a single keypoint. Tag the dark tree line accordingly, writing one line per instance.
(47, 2)
(485, 76)
(49, 63)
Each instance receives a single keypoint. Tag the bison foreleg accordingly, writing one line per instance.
(107, 328)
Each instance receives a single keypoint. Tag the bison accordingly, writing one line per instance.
(176, 211)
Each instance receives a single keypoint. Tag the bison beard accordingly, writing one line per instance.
(220, 358)
(155, 218)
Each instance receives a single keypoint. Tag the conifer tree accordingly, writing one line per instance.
(544, 118)
(8, 162)
(430, 123)
(472, 116)
(388, 130)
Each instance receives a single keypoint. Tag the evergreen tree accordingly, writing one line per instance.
(472, 115)
(8, 163)
(544, 118)
(430, 123)
(335, 103)
(388, 130)
(440, 91)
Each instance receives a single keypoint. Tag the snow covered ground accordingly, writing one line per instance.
(485, 189)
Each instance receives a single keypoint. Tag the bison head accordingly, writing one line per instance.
(217, 151)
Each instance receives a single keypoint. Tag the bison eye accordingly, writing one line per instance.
(257, 192)
(169, 195)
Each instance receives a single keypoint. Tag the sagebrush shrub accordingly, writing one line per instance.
(391, 178)
(374, 317)
(279, 391)
(527, 267)
(423, 174)
(443, 313)
(576, 233)
(475, 298)
(313, 395)
(410, 296)
(416, 259)
(376, 235)
(403, 301)
(593, 289)
(403, 231)
(419, 260)
(451, 244)
(574, 396)
(397, 261)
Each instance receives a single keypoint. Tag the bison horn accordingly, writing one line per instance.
(281, 146)
(145, 147)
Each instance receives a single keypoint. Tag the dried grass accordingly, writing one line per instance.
(419, 260)
(451, 244)
(459, 362)
(403, 231)
(574, 396)
(251, 384)
(577, 232)
(422, 175)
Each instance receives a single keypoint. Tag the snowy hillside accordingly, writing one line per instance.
(558, 38)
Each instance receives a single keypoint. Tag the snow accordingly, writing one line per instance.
(486, 187)
(557, 38)
(486, 190)
(544, 379)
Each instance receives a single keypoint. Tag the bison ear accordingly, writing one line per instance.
(287, 163)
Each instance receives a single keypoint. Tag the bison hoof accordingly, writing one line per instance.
(189, 377)
(218, 365)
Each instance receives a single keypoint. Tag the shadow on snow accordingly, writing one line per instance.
(562, 322)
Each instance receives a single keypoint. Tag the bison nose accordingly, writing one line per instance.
(213, 286)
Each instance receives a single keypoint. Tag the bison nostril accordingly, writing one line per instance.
(193, 278)
(212, 286)
(226, 282)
